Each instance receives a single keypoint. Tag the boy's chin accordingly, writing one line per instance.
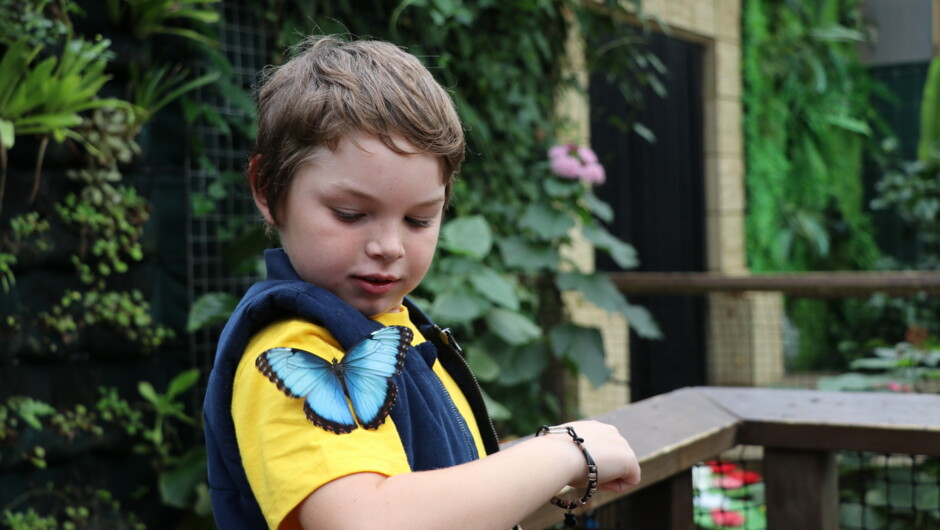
(377, 310)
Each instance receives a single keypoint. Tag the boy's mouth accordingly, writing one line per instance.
(378, 280)
(376, 285)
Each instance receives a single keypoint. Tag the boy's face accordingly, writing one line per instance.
(363, 221)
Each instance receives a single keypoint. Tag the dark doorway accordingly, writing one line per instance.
(657, 192)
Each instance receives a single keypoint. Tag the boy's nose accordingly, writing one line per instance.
(386, 245)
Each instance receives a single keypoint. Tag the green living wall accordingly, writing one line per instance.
(807, 122)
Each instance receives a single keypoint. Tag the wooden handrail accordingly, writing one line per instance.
(672, 432)
(812, 284)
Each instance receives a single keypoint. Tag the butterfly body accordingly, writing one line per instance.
(364, 376)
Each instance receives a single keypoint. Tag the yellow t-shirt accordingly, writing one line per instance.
(286, 457)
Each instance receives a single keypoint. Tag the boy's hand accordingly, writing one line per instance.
(617, 466)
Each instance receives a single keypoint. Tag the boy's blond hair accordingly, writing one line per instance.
(331, 88)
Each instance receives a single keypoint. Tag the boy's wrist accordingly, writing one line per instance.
(590, 471)
(564, 454)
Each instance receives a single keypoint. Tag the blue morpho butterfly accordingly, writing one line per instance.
(364, 375)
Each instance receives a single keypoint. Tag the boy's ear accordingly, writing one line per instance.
(259, 195)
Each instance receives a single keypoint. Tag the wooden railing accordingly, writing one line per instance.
(819, 284)
(800, 431)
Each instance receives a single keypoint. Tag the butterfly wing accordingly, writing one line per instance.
(301, 374)
(369, 367)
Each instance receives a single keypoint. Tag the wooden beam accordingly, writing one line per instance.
(809, 284)
(810, 419)
(802, 489)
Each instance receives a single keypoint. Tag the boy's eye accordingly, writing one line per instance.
(347, 216)
(418, 223)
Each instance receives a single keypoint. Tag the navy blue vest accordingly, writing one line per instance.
(433, 434)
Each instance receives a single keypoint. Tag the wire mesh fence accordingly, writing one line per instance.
(216, 171)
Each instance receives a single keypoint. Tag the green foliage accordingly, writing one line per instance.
(157, 87)
(912, 191)
(889, 491)
(166, 407)
(46, 98)
(807, 115)
(72, 508)
(808, 118)
(912, 365)
(145, 18)
(929, 146)
(43, 22)
(211, 309)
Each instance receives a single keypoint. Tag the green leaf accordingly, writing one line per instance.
(870, 363)
(457, 306)
(596, 288)
(853, 381)
(560, 188)
(31, 410)
(584, 347)
(520, 253)
(178, 484)
(7, 134)
(622, 253)
(202, 205)
(182, 382)
(601, 209)
(496, 410)
(600, 291)
(642, 321)
(147, 392)
(547, 222)
(469, 236)
(522, 364)
(644, 132)
(483, 366)
(211, 309)
(499, 289)
(514, 328)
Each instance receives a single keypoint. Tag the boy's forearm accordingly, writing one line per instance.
(494, 492)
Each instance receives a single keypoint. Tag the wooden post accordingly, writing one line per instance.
(666, 505)
(802, 489)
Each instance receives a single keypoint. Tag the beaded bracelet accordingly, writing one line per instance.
(570, 519)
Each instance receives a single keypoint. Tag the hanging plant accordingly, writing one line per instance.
(46, 98)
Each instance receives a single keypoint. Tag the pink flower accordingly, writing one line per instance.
(727, 518)
(586, 155)
(567, 167)
(559, 150)
(894, 386)
(576, 162)
(593, 173)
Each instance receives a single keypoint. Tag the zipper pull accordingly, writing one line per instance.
(448, 337)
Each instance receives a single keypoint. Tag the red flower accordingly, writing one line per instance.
(727, 518)
(746, 477)
(721, 466)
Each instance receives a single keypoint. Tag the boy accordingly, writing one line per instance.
(357, 148)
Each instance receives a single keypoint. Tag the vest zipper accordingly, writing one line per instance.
(447, 337)
(464, 428)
